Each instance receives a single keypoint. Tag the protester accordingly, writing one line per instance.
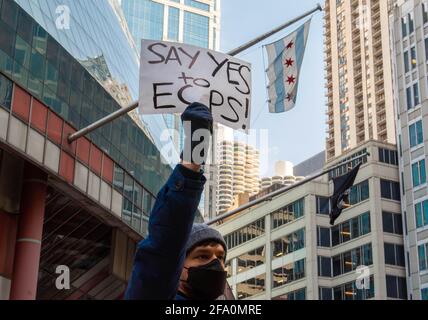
(181, 260)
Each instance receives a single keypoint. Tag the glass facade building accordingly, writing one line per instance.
(408, 22)
(64, 65)
(91, 33)
(187, 21)
(77, 73)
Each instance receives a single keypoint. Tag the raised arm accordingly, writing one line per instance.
(159, 258)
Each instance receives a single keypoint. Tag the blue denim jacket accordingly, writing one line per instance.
(160, 257)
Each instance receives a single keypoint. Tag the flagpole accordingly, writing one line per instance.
(278, 192)
(134, 105)
(272, 32)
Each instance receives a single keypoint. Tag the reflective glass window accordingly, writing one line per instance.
(196, 29)
(5, 92)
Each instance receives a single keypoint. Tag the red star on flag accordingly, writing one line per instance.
(290, 45)
(291, 79)
(289, 97)
(289, 62)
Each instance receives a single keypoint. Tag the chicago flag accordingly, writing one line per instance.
(285, 58)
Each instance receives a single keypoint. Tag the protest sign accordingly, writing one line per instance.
(173, 75)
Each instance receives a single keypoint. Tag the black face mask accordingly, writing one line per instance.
(207, 282)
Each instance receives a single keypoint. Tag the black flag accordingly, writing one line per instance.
(340, 199)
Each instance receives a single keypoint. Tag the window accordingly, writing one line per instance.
(9, 13)
(251, 259)
(197, 5)
(406, 61)
(367, 254)
(323, 235)
(392, 222)
(147, 19)
(294, 295)
(394, 254)
(416, 94)
(424, 13)
(173, 23)
(411, 23)
(404, 27)
(390, 190)
(345, 168)
(287, 213)
(423, 256)
(247, 233)
(388, 156)
(350, 260)
(416, 134)
(424, 294)
(324, 266)
(196, 29)
(251, 287)
(351, 229)
(396, 287)
(419, 173)
(421, 212)
(118, 178)
(288, 243)
(349, 291)
(426, 49)
(409, 98)
(288, 273)
(359, 192)
(325, 293)
(228, 268)
(5, 92)
(413, 97)
(413, 60)
(323, 205)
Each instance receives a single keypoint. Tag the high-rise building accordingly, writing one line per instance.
(195, 22)
(358, 74)
(83, 205)
(409, 39)
(285, 248)
(238, 172)
(283, 176)
(310, 166)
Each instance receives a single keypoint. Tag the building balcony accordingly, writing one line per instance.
(359, 103)
(359, 112)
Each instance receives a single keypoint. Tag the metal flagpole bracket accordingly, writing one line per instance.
(270, 196)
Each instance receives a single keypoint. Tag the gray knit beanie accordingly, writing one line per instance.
(201, 232)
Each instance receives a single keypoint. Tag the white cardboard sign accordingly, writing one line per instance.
(173, 75)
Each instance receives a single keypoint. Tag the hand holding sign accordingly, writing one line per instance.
(173, 75)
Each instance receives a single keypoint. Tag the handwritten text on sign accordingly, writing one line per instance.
(173, 75)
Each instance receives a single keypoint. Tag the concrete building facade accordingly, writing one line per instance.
(409, 41)
(285, 248)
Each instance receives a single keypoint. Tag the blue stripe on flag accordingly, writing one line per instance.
(300, 46)
(279, 71)
(300, 51)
